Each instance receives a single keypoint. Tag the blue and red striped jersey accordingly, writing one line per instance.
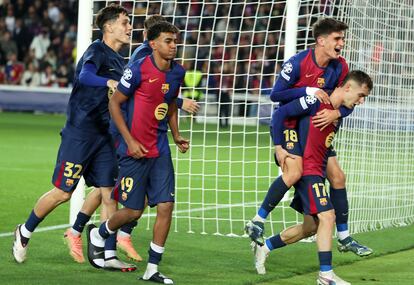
(313, 141)
(150, 92)
(302, 71)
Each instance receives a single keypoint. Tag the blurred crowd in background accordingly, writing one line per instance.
(37, 42)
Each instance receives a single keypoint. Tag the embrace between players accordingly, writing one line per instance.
(144, 101)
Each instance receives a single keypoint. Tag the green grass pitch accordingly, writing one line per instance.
(27, 155)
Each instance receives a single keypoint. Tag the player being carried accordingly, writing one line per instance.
(150, 87)
(311, 198)
(309, 73)
(87, 148)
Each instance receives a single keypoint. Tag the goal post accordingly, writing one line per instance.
(239, 47)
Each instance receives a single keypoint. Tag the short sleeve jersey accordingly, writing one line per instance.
(150, 92)
(87, 110)
(313, 141)
(140, 52)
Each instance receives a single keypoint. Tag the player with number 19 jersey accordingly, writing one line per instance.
(151, 91)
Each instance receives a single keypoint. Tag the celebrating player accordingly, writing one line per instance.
(310, 73)
(86, 148)
(150, 87)
(311, 198)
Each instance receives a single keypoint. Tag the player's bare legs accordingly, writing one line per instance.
(46, 203)
(338, 195)
(160, 234)
(292, 171)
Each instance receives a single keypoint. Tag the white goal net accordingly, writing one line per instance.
(239, 46)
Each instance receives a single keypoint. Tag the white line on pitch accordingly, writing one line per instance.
(223, 206)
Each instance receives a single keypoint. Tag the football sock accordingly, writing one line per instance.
(31, 224)
(275, 242)
(24, 235)
(340, 203)
(151, 270)
(79, 225)
(104, 231)
(155, 253)
(325, 260)
(127, 228)
(110, 246)
(274, 195)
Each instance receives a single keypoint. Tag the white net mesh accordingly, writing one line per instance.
(239, 47)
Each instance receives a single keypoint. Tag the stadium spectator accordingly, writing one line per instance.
(14, 69)
(48, 77)
(40, 43)
(31, 77)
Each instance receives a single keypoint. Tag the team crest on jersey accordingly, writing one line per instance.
(165, 88)
(127, 74)
(69, 182)
(124, 196)
(287, 68)
(329, 139)
(321, 82)
(290, 145)
(323, 201)
(161, 111)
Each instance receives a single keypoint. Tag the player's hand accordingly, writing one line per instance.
(190, 106)
(136, 149)
(325, 117)
(322, 96)
(282, 155)
(182, 144)
(112, 84)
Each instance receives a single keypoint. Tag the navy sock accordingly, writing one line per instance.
(274, 195)
(275, 242)
(127, 228)
(32, 222)
(81, 220)
(153, 256)
(340, 203)
(103, 232)
(110, 242)
(325, 260)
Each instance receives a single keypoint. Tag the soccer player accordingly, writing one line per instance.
(311, 198)
(86, 147)
(149, 86)
(310, 72)
(188, 105)
(93, 200)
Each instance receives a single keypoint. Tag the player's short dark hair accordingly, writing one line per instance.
(359, 77)
(152, 20)
(161, 27)
(109, 13)
(326, 26)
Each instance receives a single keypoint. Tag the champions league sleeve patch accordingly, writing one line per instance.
(127, 76)
(287, 68)
(308, 100)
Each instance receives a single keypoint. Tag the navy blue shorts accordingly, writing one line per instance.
(291, 141)
(311, 196)
(145, 177)
(93, 158)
